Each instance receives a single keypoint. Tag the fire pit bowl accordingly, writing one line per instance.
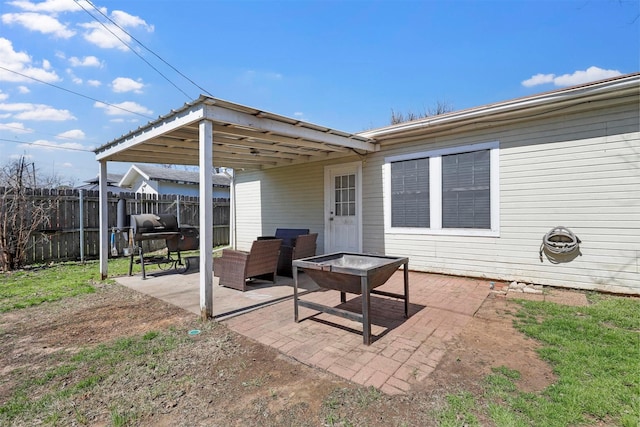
(353, 273)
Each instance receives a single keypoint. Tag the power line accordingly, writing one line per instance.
(23, 130)
(148, 50)
(127, 45)
(46, 145)
(76, 93)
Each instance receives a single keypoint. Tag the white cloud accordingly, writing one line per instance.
(45, 112)
(27, 111)
(20, 62)
(46, 145)
(87, 61)
(50, 6)
(125, 84)
(591, 74)
(71, 134)
(94, 83)
(23, 89)
(15, 127)
(75, 79)
(18, 106)
(538, 79)
(125, 20)
(44, 24)
(123, 108)
(109, 36)
(3, 96)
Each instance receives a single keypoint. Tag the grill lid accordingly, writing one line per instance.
(152, 226)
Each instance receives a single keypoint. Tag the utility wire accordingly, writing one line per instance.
(127, 45)
(75, 93)
(149, 50)
(47, 145)
(23, 130)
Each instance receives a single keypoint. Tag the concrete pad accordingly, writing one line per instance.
(183, 290)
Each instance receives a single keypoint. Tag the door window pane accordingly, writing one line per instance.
(345, 195)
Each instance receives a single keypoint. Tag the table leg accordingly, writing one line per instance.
(295, 294)
(406, 290)
(366, 321)
(343, 297)
(144, 274)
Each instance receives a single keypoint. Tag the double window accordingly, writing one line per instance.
(450, 191)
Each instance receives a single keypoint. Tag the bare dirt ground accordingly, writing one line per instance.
(219, 378)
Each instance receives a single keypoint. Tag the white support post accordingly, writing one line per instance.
(104, 221)
(232, 211)
(81, 215)
(206, 218)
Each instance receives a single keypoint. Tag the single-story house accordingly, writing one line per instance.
(471, 192)
(149, 179)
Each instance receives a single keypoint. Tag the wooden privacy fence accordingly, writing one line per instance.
(74, 228)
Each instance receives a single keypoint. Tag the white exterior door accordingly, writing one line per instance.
(343, 211)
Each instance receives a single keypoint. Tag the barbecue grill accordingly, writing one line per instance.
(162, 227)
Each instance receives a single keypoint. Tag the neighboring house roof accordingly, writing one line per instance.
(112, 179)
(112, 183)
(160, 174)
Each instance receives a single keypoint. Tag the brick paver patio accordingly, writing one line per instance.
(403, 351)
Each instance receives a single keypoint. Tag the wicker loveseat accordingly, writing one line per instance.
(234, 267)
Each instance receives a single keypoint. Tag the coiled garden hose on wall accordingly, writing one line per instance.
(559, 241)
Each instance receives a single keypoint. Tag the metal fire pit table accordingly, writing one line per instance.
(354, 273)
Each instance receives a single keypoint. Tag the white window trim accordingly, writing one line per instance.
(435, 191)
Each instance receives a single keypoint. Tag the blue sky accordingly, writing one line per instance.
(68, 86)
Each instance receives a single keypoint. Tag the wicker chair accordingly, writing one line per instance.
(235, 267)
(304, 246)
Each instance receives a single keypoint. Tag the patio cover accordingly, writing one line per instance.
(211, 132)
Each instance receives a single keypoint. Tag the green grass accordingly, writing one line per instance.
(39, 396)
(459, 412)
(47, 283)
(595, 353)
(26, 288)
